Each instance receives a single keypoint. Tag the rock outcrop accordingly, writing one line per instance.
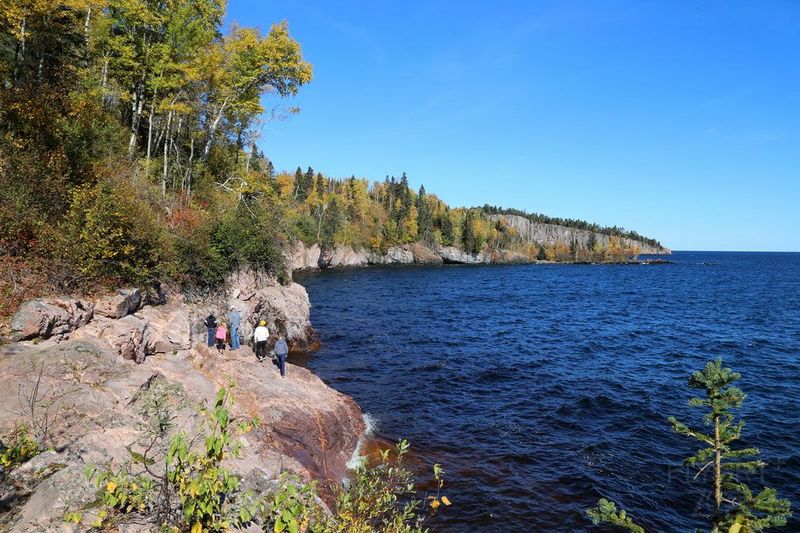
(45, 318)
(551, 234)
(286, 308)
(298, 256)
(119, 304)
(451, 254)
(342, 256)
(93, 379)
(128, 337)
(306, 427)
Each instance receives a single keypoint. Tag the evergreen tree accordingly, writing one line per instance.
(404, 194)
(735, 507)
(424, 216)
(298, 184)
(754, 512)
(331, 222)
(448, 236)
(304, 183)
(320, 184)
(468, 233)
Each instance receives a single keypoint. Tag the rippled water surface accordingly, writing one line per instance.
(541, 388)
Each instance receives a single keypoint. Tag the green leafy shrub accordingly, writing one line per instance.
(246, 236)
(18, 447)
(207, 495)
(110, 233)
(380, 498)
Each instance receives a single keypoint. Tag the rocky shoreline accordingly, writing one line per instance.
(91, 362)
(300, 257)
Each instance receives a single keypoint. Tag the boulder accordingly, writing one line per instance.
(298, 256)
(286, 308)
(45, 318)
(128, 337)
(424, 255)
(451, 254)
(401, 255)
(344, 256)
(169, 328)
(119, 304)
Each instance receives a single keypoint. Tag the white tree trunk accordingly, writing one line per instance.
(166, 157)
(150, 127)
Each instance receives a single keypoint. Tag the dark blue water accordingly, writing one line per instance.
(541, 388)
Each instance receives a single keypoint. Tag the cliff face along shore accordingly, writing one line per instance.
(93, 362)
(300, 256)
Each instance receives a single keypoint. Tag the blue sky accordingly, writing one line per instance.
(678, 119)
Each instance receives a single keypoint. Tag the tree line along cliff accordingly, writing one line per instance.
(128, 154)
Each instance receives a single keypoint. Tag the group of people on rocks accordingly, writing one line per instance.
(220, 331)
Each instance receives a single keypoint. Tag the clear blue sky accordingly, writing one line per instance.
(679, 119)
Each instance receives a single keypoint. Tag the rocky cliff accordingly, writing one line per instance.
(550, 234)
(90, 363)
(300, 257)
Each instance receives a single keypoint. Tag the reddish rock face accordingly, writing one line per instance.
(50, 317)
(305, 426)
(119, 304)
(91, 378)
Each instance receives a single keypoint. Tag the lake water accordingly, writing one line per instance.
(541, 388)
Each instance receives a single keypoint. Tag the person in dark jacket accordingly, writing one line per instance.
(281, 350)
(211, 324)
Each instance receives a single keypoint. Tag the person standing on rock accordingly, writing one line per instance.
(211, 324)
(234, 321)
(281, 350)
(260, 337)
(221, 335)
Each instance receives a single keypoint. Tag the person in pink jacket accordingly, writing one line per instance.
(221, 336)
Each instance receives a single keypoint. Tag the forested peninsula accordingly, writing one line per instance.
(129, 155)
(136, 206)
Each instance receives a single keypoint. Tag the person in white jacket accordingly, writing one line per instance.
(260, 337)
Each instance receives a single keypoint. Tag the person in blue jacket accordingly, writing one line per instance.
(281, 350)
(234, 321)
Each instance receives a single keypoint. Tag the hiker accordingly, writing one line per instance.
(234, 321)
(211, 323)
(281, 350)
(260, 337)
(221, 335)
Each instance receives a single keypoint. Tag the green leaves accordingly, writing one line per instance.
(18, 447)
(606, 512)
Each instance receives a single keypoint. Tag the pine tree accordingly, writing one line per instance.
(404, 194)
(753, 512)
(468, 233)
(320, 184)
(298, 184)
(269, 170)
(332, 220)
(736, 508)
(424, 217)
(448, 236)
